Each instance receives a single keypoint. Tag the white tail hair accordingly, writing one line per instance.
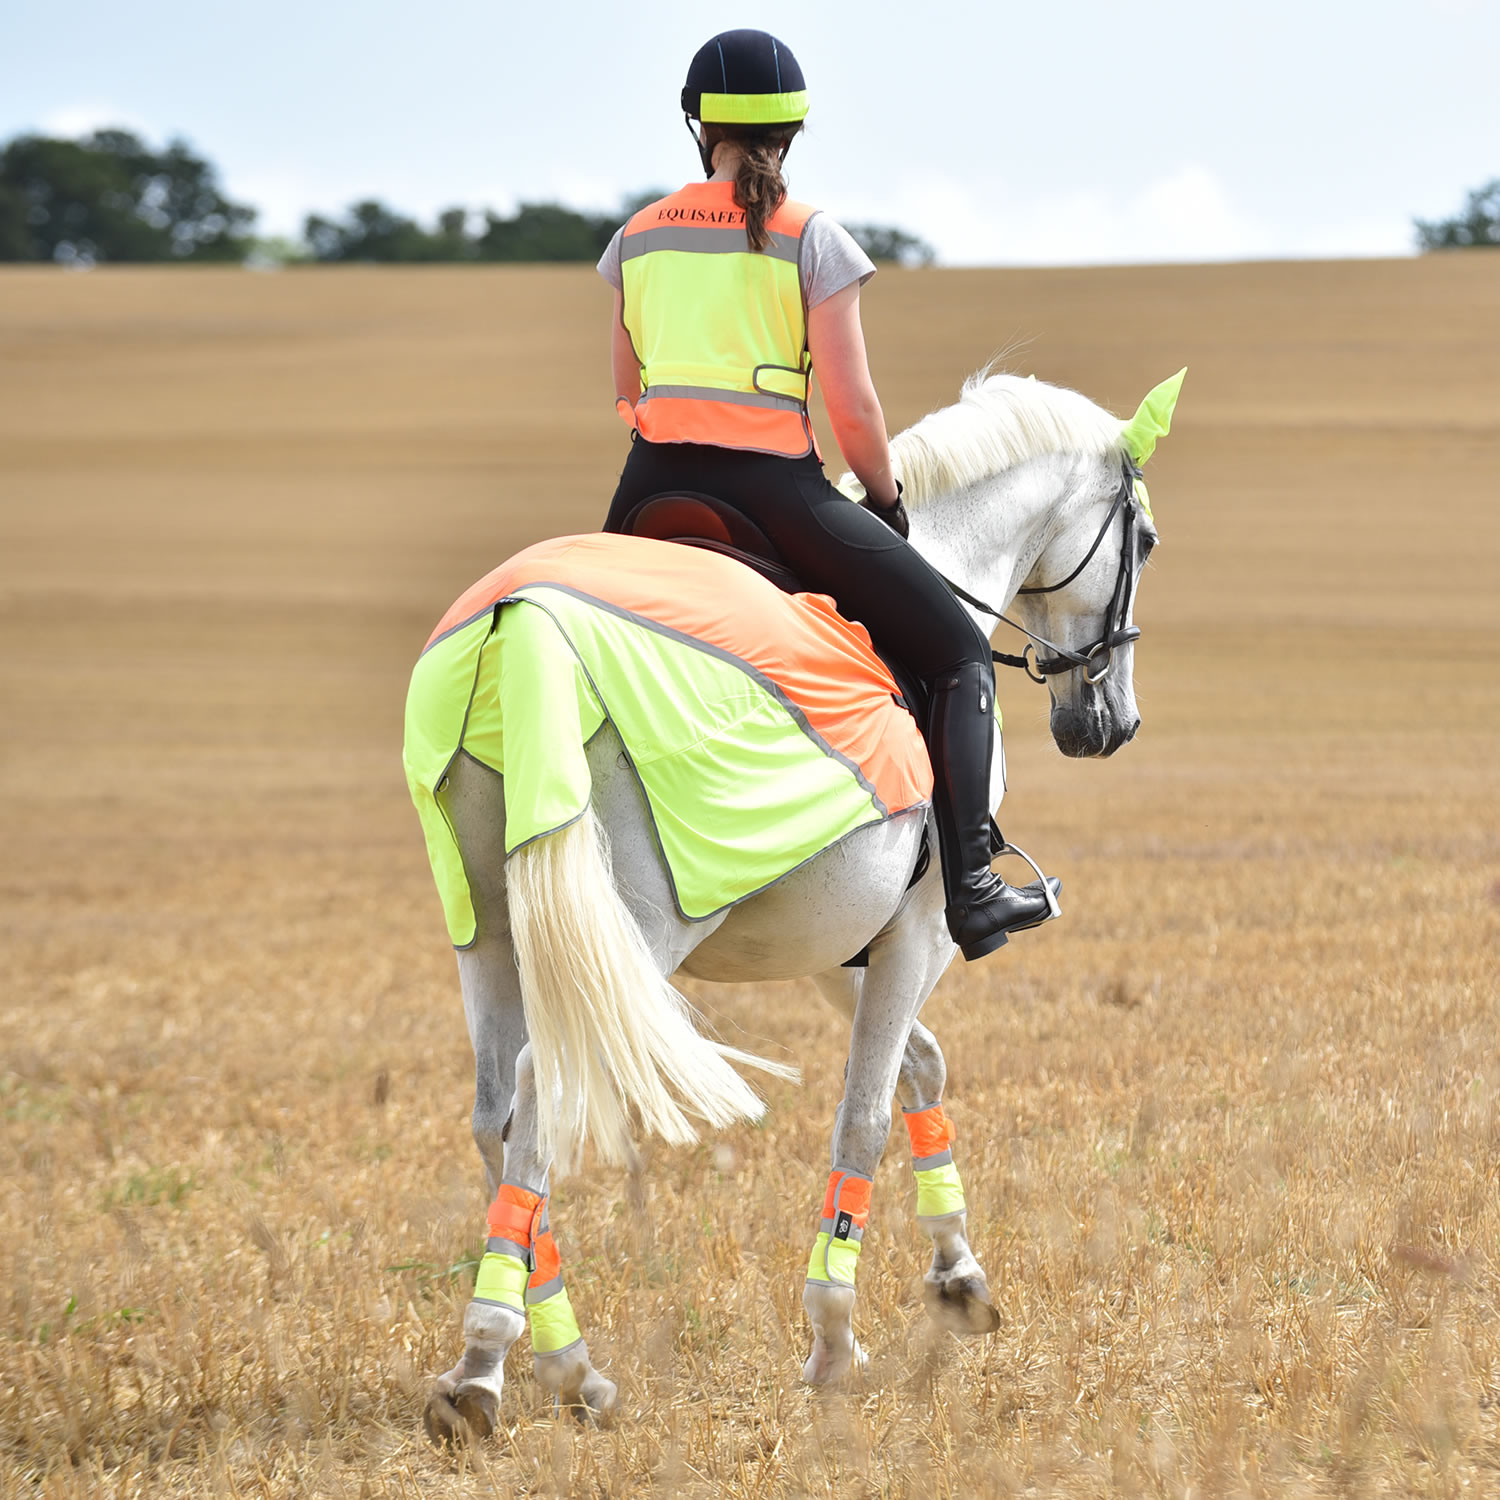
(607, 1029)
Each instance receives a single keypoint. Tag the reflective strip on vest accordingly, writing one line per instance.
(940, 1192)
(846, 1210)
(766, 399)
(553, 1326)
(502, 1280)
(720, 330)
(706, 241)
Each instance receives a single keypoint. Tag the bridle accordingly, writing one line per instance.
(1117, 630)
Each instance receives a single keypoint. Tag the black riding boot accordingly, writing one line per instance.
(982, 909)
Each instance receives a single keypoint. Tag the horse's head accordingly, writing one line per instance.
(1080, 595)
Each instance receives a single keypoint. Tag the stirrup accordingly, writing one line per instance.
(1006, 847)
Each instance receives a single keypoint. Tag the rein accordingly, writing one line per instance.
(1116, 631)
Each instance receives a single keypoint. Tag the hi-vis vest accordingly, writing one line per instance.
(720, 331)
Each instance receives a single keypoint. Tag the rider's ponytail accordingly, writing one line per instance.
(759, 188)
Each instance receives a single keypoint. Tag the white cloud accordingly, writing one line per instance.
(83, 119)
(1186, 215)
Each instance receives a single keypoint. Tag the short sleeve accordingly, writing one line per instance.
(609, 262)
(831, 260)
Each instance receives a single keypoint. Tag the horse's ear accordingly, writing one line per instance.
(1152, 419)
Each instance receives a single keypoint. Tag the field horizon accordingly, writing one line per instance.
(1230, 1131)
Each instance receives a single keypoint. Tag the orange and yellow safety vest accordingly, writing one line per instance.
(720, 330)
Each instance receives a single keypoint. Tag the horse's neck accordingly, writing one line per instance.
(988, 537)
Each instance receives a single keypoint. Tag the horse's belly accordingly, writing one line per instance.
(819, 915)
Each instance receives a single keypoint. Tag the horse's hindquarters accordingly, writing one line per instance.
(821, 914)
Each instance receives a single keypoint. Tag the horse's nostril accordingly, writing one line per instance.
(1134, 725)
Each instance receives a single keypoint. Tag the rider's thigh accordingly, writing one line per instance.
(877, 579)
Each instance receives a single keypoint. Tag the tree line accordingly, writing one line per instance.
(109, 197)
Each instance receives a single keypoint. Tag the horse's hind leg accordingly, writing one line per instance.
(519, 1273)
(955, 1290)
(467, 1398)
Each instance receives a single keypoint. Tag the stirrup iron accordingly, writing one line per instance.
(1006, 847)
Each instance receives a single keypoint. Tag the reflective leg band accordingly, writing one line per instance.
(553, 1326)
(940, 1191)
(846, 1207)
(507, 1263)
(502, 1279)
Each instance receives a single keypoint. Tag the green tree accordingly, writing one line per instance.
(886, 242)
(546, 231)
(1477, 225)
(109, 197)
(369, 232)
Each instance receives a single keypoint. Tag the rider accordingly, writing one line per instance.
(727, 293)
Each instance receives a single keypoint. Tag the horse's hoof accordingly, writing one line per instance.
(961, 1305)
(597, 1403)
(445, 1424)
(827, 1366)
(479, 1408)
(458, 1415)
(576, 1386)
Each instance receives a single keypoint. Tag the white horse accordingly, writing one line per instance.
(566, 988)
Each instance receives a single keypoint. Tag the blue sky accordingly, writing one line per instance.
(1076, 131)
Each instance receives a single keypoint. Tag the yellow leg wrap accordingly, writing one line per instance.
(833, 1261)
(502, 1279)
(940, 1191)
(553, 1325)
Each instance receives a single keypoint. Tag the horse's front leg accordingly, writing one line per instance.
(903, 968)
(955, 1289)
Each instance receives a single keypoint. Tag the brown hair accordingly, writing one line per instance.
(758, 185)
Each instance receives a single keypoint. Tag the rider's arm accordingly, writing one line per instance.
(837, 343)
(622, 360)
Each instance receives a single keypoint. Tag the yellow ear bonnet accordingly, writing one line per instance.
(1152, 420)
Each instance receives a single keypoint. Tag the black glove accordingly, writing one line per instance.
(894, 516)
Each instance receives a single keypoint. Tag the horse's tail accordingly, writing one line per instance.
(608, 1031)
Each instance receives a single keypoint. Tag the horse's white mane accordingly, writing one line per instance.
(997, 422)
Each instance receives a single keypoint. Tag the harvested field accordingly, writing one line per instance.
(1231, 1131)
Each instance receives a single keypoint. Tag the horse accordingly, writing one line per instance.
(1021, 493)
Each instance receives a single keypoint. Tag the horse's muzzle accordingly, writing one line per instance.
(1091, 730)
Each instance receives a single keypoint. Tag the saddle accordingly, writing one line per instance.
(698, 520)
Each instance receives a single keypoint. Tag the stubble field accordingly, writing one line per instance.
(1231, 1130)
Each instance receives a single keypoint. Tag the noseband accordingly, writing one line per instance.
(1097, 659)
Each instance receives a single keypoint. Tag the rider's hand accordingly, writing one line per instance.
(894, 516)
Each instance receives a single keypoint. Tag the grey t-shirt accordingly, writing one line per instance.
(831, 260)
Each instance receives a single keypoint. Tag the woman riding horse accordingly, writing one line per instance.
(727, 294)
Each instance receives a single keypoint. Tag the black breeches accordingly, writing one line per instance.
(835, 547)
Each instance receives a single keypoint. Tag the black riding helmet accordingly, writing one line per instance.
(743, 78)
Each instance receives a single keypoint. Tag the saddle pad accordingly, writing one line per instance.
(760, 725)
